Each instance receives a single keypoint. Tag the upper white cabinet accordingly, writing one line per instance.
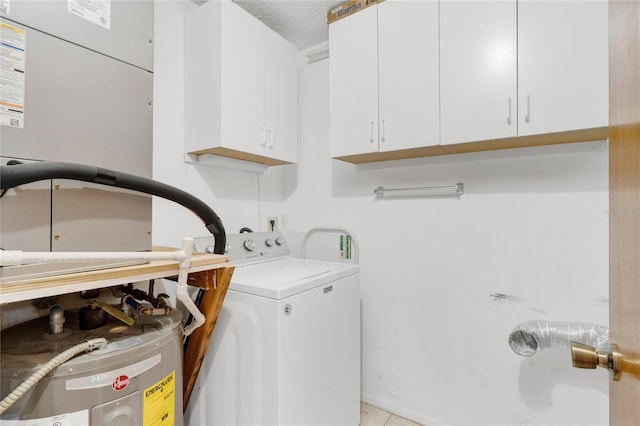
(240, 87)
(353, 92)
(522, 68)
(384, 78)
(478, 70)
(408, 74)
(563, 65)
(281, 98)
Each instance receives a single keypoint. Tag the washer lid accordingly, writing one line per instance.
(285, 277)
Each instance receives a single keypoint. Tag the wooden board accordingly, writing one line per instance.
(240, 155)
(198, 342)
(14, 291)
(584, 135)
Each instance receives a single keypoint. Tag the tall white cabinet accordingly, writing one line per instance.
(478, 70)
(353, 95)
(384, 78)
(240, 87)
(408, 74)
(563, 68)
(281, 98)
(522, 68)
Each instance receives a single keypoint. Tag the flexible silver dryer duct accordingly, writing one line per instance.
(529, 337)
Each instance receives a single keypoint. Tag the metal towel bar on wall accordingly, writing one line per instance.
(422, 191)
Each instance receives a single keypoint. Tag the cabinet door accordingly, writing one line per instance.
(123, 32)
(477, 70)
(88, 108)
(353, 91)
(87, 216)
(281, 98)
(25, 215)
(242, 89)
(562, 65)
(408, 74)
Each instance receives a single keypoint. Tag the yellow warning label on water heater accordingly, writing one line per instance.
(159, 402)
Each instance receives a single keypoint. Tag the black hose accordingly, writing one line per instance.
(20, 174)
(9, 163)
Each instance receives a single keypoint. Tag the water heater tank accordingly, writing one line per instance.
(135, 380)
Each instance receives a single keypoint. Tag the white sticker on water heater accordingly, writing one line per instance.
(67, 419)
(12, 75)
(96, 11)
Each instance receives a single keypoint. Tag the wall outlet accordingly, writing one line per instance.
(272, 224)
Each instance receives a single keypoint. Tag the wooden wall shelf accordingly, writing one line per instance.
(585, 135)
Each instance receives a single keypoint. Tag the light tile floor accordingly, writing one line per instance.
(374, 416)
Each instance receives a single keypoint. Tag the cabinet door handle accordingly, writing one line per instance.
(264, 136)
(509, 116)
(371, 132)
(382, 137)
(270, 145)
(527, 116)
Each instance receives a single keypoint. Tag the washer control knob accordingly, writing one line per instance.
(279, 241)
(269, 242)
(250, 245)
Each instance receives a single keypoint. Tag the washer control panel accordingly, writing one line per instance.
(248, 246)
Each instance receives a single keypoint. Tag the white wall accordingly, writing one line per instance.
(532, 225)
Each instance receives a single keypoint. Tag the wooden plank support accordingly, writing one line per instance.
(205, 280)
(210, 306)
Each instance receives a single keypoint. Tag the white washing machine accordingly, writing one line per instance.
(286, 347)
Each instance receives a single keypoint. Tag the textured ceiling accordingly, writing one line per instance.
(302, 22)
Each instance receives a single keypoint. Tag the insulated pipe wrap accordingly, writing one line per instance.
(529, 337)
